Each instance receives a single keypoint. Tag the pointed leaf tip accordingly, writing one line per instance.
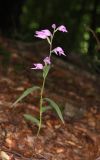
(25, 93)
(56, 107)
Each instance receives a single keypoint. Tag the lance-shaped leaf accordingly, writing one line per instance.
(25, 93)
(56, 107)
(32, 119)
(45, 108)
(46, 70)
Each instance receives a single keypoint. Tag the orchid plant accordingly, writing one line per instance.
(45, 67)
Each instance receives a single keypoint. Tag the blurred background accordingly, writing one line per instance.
(19, 19)
(73, 82)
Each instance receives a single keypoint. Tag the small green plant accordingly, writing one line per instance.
(45, 68)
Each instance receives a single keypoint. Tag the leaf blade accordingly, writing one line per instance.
(45, 108)
(56, 107)
(32, 119)
(25, 93)
(46, 71)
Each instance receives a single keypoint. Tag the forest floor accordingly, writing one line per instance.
(77, 139)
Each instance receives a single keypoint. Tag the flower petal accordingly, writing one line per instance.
(43, 34)
(59, 51)
(46, 32)
(47, 60)
(37, 66)
(62, 28)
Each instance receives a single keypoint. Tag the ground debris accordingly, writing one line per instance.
(77, 139)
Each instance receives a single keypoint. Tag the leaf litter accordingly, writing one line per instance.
(77, 139)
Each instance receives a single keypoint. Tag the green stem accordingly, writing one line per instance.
(51, 43)
(42, 89)
(41, 103)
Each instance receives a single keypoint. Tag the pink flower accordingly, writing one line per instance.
(47, 60)
(59, 51)
(43, 34)
(37, 66)
(53, 26)
(46, 32)
(62, 28)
